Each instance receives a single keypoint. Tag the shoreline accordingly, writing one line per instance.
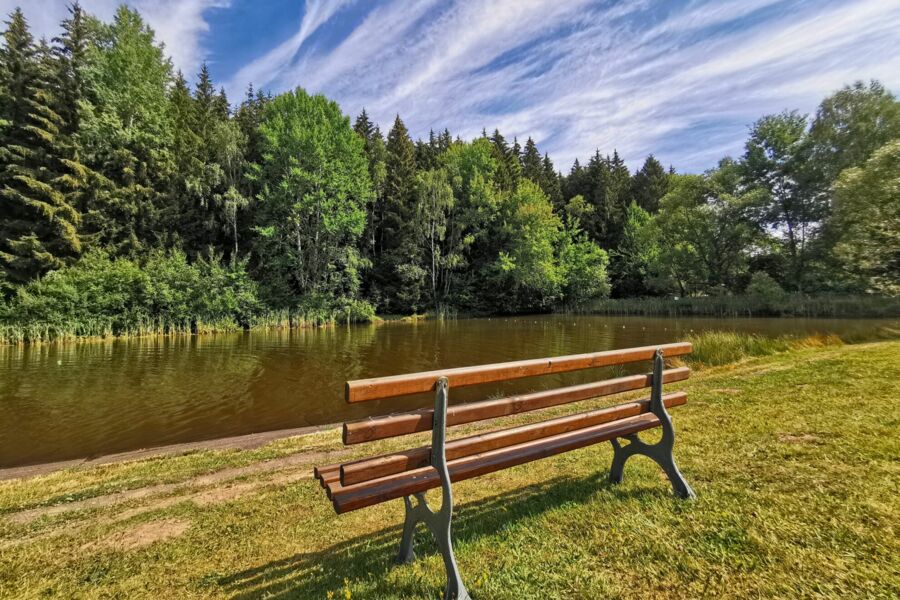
(384, 320)
(247, 441)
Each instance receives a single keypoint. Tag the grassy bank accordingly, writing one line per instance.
(793, 456)
(786, 305)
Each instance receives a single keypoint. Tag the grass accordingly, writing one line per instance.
(787, 305)
(793, 456)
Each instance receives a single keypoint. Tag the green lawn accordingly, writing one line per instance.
(794, 458)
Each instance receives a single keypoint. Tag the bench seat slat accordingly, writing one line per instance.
(398, 424)
(376, 388)
(346, 499)
(388, 464)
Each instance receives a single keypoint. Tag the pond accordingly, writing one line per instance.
(63, 401)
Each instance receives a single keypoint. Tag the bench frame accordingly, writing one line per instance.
(417, 510)
(437, 522)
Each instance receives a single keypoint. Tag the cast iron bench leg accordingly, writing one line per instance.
(437, 522)
(660, 452)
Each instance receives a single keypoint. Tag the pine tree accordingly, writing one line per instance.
(649, 185)
(596, 193)
(376, 156)
(38, 227)
(400, 278)
(509, 168)
(72, 53)
(532, 166)
(205, 108)
(551, 183)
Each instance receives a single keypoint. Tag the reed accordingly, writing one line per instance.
(787, 305)
(715, 348)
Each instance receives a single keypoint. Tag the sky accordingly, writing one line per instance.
(680, 79)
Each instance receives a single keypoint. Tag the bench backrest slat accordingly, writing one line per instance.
(398, 424)
(397, 462)
(363, 390)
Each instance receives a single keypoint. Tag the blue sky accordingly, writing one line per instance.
(680, 79)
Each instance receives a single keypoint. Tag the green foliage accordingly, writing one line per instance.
(867, 213)
(525, 273)
(584, 270)
(649, 185)
(128, 136)
(637, 253)
(850, 125)
(38, 224)
(754, 305)
(704, 232)
(311, 210)
(102, 296)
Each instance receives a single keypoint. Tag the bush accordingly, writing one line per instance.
(100, 296)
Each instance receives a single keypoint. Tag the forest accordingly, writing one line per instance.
(134, 202)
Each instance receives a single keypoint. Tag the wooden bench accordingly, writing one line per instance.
(410, 473)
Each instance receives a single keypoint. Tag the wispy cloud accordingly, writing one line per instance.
(678, 78)
(179, 24)
(267, 68)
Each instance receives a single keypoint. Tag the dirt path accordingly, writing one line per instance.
(303, 461)
(238, 442)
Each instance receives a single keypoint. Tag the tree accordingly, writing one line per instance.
(509, 167)
(315, 186)
(532, 165)
(550, 182)
(649, 185)
(435, 206)
(75, 51)
(208, 188)
(469, 246)
(525, 273)
(850, 125)
(129, 135)
(867, 212)
(399, 279)
(376, 154)
(775, 161)
(38, 225)
(584, 270)
(705, 227)
(637, 251)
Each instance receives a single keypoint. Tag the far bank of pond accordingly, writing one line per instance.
(65, 401)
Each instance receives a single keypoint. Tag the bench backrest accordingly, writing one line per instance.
(341, 480)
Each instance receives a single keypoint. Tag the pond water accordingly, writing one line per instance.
(62, 401)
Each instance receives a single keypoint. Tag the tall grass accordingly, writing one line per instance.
(714, 348)
(787, 305)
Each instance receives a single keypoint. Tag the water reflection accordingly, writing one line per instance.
(87, 399)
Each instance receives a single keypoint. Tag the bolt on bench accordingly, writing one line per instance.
(409, 474)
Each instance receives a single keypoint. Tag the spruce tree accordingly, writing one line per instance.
(649, 185)
(532, 166)
(400, 276)
(508, 166)
(38, 226)
(376, 156)
(72, 53)
(551, 183)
